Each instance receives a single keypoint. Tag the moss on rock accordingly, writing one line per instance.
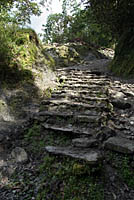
(62, 55)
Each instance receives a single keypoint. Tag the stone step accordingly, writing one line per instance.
(89, 81)
(61, 118)
(80, 77)
(99, 107)
(74, 103)
(121, 145)
(91, 156)
(85, 142)
(87, 77)
(86, 86)
(88, 114)
(92, 110)
(91, 97)
(84, 80)
(77, 98)
(75, 107)
(80, 72)
(69, 128)
(80, 92)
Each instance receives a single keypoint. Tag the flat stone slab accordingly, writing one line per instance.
(92, 156)
(68, 128)
(84, 142)
(121, 145)
(70, 103)
(83, 86)
(19, 154)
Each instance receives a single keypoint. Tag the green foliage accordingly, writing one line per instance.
(116, 15)
(56, 29)
(124, 166)
(22, 10)
(86, 29)
(5, 51)
(123, 63)
(34, 131)
(60, 55)
(18, 45)
(127, 172)
(81, 26)
(67, 179)
(33, 136)
(18, 51)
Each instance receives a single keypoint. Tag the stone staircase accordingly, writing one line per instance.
(86, 105)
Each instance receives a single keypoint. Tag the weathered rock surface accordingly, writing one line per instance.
(91, 156)
(120, 145)
(19, 154)
(88, 107)
(84, 142)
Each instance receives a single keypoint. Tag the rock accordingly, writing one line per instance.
(121, 145)
(1, 137)
(3, 163)
(118, 99)
(91, 156)
(1, 148)
(5, 113)
(90, 57)
(68, 128)
(121, 104)
(129, 93)
(19, 154)
(119, 95)
(84, 142)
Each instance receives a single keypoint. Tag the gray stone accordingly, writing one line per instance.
(92, 156)
(68, 128)
(3, 163)
(19, 154)
(118, 95)
(121, 145)
(1, 137)
(5, 114)
(121, 104)
(1, 148)
(84, 142)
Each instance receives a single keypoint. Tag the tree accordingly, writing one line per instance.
(23, 9)
(56, 28)
(85, 27)
(117, 17)
(75, 24)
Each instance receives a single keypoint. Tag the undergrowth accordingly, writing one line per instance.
(66, 178)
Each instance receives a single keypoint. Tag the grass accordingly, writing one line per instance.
(127, 172)
(123, 164)
(50, 177)
(69, 179)
(60, 178)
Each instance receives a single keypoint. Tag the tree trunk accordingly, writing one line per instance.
(123, 62)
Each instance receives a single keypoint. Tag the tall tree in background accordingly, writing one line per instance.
(117, 17)
(75, 24)
(22, 9)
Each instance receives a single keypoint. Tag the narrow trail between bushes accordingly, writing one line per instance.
(95, 113)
